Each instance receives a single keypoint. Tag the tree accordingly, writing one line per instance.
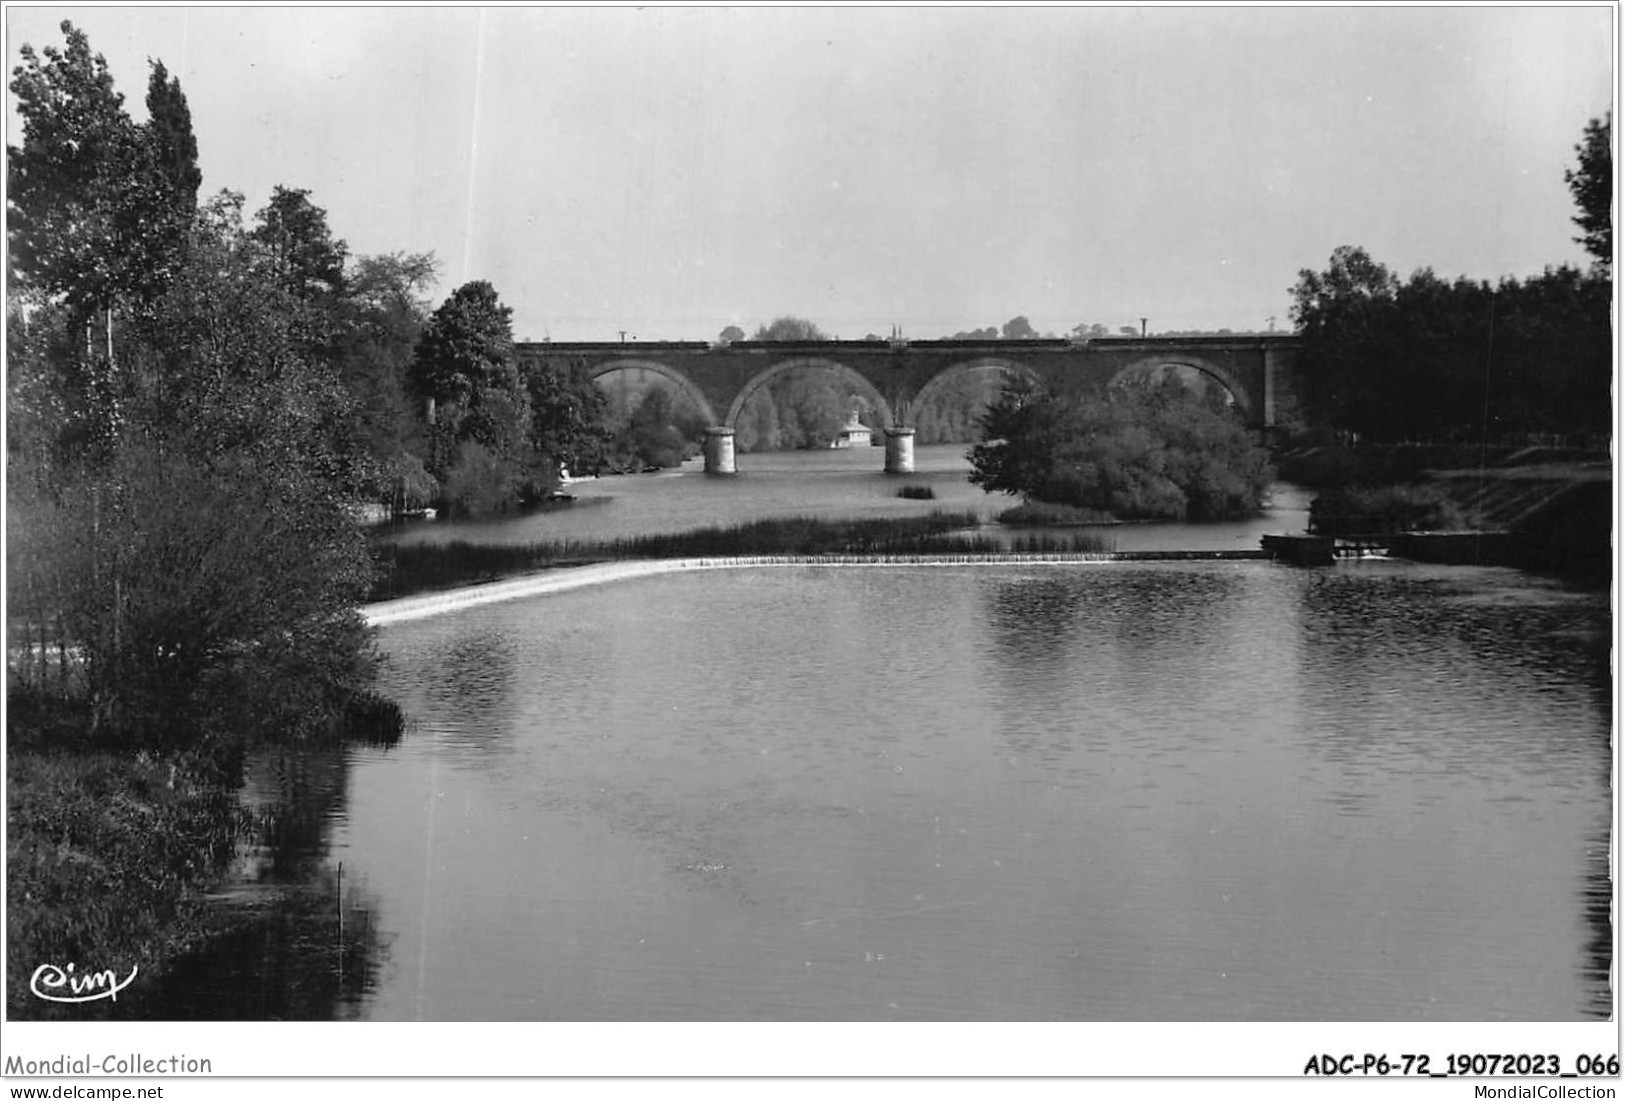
(1592, 185)
(465, 369)
(1018, 328)
(468, 344)
(758, 424)
(378, 321)
(1021, 435)
(304, 255)
(64, 182)
(169, 176)
(731, 334)
(953, 413)
(174, 146)
(804, 407)
(182, 559)
(1157, 453)
(659, 433)
(99, 222)
(200, 564)
(789, 328)
(1342, 315)
(568, 415)
(98, 207)
(812, 407)
(1431, 360)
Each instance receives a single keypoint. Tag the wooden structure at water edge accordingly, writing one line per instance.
(1475, 548)
(1301, 550)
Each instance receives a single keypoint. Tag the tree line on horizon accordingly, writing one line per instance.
(1017, 328)
(1429, 359)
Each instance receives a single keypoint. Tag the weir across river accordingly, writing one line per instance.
(1259, 371)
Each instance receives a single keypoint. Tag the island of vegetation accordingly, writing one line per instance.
(1158, 452)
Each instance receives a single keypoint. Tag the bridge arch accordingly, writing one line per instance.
(1234, 386)
(680, 381)
(945, 377)
(853, 378)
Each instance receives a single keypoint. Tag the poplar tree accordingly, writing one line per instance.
(304, 255)
(1592, 185)
(181, 537)
(169, 123)
(475, 400)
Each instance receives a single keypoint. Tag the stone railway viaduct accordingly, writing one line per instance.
(896, 376)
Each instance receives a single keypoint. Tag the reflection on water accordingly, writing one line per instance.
(1202, 791)
(1109, 792)
(1386, 634)
(302, 940)
(311, 954)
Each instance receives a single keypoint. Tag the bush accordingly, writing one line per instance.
(1160, 453)
(374, 719)
(479, 481)
(1384, 510)
(918, 493)
(107, 858)
(194, 603)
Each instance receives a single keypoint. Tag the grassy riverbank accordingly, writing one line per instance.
(113, 863)
(109, 857)
(113, 847)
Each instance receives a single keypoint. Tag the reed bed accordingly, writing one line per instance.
(1045, 514)
(421, 567)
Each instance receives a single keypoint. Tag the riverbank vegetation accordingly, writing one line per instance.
(407, 568)
(1140, 453)
(1409, 379)
(182, 459)
(1432, 361)
(109, 857)
(1426, 360)
(1384, 510)
(201, 401)
(1043, 514)
(186, 451)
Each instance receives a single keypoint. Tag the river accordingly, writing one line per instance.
(1204, 791)
(826, 483)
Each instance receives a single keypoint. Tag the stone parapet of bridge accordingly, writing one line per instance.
(1260, 371)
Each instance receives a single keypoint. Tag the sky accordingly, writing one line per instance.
(666, 172)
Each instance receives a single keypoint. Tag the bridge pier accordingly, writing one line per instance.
(899, 451)
(719, 451)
